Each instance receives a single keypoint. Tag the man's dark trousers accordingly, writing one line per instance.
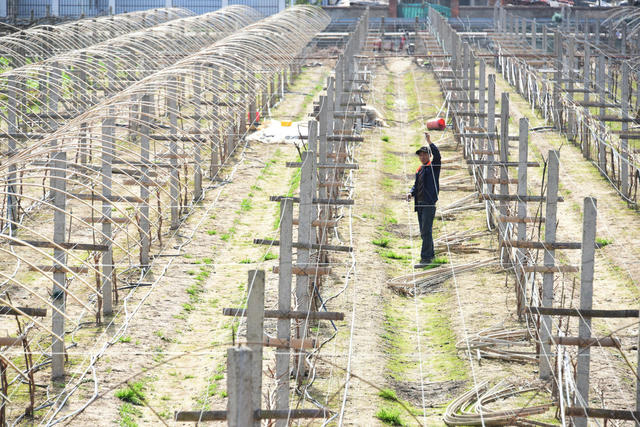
(426, 214)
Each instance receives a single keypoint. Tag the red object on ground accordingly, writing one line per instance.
(436, 124)
(257, 120)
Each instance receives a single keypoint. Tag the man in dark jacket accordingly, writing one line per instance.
(425, 193)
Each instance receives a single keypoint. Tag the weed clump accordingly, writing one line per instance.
(393, 255)
(134, 393)
(383, 242)
(390, 416)
(269, 256)
(388, 394)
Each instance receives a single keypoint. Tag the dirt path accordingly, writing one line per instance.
(403, 344)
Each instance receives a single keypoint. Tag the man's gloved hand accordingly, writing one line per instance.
(408, 197)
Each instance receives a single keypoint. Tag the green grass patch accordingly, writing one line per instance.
(383, 242)
(393, 255)
(245, 205)
(390, 416)
(438, 331)
(269, 256)
(134, 393)
(128, 414)
(391, 163)
(385, 138)
(124, 339)
(388, 394)
(211, 232)
(436, 262)
(602, 242)
(390, 98)
(245, 261)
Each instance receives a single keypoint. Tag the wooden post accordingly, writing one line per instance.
(586, 302)
(240, 387)
(546, 327)
(145, 229)
(172, 107)
(108, 139)
(504, 171)
(284, 303)
(545, 37)
(255, 323)
(523, 155)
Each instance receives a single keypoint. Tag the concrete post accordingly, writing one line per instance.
(284, 303)
(197, 102)
(255, 323)
(546, 326)
(58, 181)
(523, 155)
(305, 235)
(240, 387)
(491, 129)
(600, 86)
(504, 172)
(624, 161)
(12, 129)
(172, 111)
(586, 302)
(108, 141)
(145, 229)
(481, 92)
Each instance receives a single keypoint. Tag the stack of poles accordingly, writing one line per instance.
(551, 67)
(486, 152)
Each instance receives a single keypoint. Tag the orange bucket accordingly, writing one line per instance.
(436, 124)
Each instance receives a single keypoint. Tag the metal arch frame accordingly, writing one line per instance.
(168, 104)
(102, 62)
(43, 41)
